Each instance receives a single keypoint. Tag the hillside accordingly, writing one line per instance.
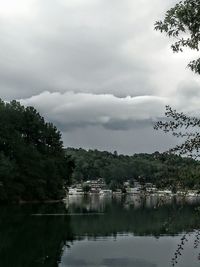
(160, 169)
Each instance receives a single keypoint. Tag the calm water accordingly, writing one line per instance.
(101, 231)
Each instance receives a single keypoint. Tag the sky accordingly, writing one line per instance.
(97, 69)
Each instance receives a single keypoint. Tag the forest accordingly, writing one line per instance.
(162, 169)
(33, 164)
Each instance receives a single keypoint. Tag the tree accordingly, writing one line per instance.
(33, 165)
(183, 126)
(183, 23)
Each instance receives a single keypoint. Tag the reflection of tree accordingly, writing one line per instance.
(32, 241)
(179, 249)
(35, 241)
(159, 219)
(197, 239)
(144, 216)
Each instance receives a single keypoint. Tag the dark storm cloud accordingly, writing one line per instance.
(73, 110)
(112, 124)
(108, 122)
(128, 124)
(77, 110)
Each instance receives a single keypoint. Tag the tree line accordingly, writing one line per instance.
(161, 169)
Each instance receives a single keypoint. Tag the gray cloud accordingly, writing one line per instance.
(96, 68)
(77, 110)
(188, 89)
(88, 46)
(105, 121)
(132, 141)
(117, 124)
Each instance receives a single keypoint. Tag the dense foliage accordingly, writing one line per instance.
(183, 23)
(162, 169)
(33, 165)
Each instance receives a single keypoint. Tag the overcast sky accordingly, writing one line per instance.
(96, 69)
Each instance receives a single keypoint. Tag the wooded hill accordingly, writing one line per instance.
(161, 169)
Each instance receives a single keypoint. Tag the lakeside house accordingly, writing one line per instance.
(133, 190)
(76, 190)
(131, 187)
(96, 185)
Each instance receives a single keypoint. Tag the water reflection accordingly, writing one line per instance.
(101, 231)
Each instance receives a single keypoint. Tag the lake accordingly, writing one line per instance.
(102, 231)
